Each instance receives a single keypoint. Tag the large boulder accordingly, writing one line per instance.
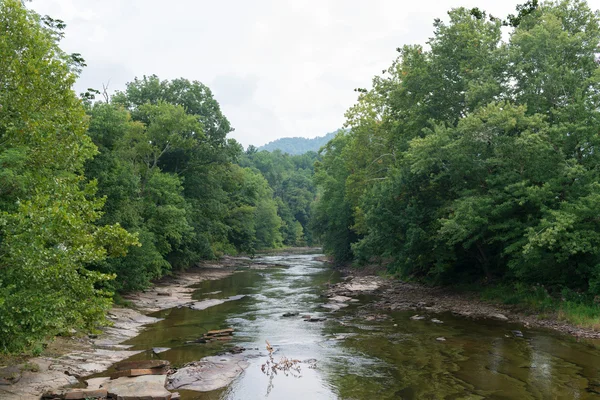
(208, 374)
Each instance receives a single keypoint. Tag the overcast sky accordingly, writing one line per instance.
(278, 68)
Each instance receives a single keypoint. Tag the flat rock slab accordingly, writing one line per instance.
(81, 394)
(204, 304)
(148, 387)
(141, 364)
(95, 383)
(139, 372)
(340, 299)
(210, 373)
(227, 331)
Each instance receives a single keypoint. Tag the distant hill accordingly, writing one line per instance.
(297, 145)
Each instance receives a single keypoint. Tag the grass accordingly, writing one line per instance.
(30, 366)
(568, 306)
(119, 301)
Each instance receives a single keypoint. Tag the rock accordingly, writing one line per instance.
(436, 321)
(158, 350)
(54, 394)
(204, 304)
(78, 394)
(334, 306)
(139, 372)
(315, 319)
(141, 364)
(306, 316)
(417, 318)
(376, 317)
(221, 332)
(10, 375)
(498, 316)
(290, 314)
(210, 373)
(175, 396)
(222, 338)
(237, 350)
(441, 339)
(517, 333)
(363, 284)
(340, 299)
(95, 383)
(164, 293)
(148, 387)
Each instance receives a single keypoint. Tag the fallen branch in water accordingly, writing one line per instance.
(285, 365)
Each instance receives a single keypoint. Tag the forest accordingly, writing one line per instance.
(101, 197)
(470, 161)
(473, 160)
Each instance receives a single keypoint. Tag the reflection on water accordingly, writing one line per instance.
(391, 357)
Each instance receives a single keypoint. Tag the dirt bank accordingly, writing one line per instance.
(393, 295)
(66, 359)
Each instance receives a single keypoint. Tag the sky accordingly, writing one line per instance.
(278, 68)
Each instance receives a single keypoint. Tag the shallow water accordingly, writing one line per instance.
(389, 357)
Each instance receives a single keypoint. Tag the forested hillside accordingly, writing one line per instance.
(291, 179)
(99, 197)
(475, 159)
(298, 145)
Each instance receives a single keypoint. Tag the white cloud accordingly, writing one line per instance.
(278, 68)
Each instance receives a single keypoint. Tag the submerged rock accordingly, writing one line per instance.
(204, 304)
(340, 299)
(334, 306)
(315, 319)
(436, 321)
(137, 364)
(210, 373)
(290, 314)
(158, 350)
(441, 339)
(417, 318)
(517, 334)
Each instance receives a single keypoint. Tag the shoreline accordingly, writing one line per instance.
(67, 359)
(394, 295)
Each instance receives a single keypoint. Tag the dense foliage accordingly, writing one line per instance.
(290, 178)
(48, 211)
(98, 197)
(297, 145)
(475, 159)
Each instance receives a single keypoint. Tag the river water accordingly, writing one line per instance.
(358, 353)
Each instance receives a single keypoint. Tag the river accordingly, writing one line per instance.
(358, 353)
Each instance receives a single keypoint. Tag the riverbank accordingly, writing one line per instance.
(68, 358)
(393, 295)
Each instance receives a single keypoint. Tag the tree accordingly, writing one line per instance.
(48, 234)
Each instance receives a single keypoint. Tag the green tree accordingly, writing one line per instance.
(48, 234)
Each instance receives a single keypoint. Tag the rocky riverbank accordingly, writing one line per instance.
(392, 295)
(68, 359)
